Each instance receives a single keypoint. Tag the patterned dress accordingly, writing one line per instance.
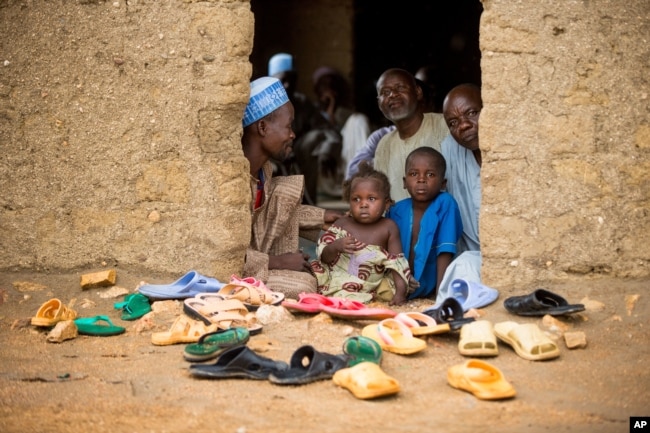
(357, 276)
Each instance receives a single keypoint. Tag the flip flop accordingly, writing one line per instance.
(362, 349)
(310, 303)
(348, 309)
(187, 286)
(100, 326)
(393, 336)
(53, 312)
(251, 296)
(471, 294)
(527, 340)
(478, 339)
(540, 303)
(239, 362)
(451, 312)
(309, 365)
(135, 305)
(183, 330)
(421, 324)
(212, 344)
(366, 380)
(482, 379)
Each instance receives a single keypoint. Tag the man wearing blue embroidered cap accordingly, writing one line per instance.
(278, 217)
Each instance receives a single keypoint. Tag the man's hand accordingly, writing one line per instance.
(291, 261)
(332, 215)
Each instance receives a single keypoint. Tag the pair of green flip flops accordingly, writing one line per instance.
(212, 344)
(134, 306)
(98, 326)
(362, 349)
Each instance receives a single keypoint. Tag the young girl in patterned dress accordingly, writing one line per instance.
(360, 256)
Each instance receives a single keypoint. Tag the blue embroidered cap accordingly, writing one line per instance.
(281, 62)
(267, 95)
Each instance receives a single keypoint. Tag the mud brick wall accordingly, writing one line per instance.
(120, 127)
(566, 168)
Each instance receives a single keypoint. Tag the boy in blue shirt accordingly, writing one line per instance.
(429, 221)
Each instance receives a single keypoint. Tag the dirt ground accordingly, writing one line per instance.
(125, 384)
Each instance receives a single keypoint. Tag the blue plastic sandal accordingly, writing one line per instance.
(187, 286)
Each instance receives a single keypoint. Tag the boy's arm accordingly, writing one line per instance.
(443, 261)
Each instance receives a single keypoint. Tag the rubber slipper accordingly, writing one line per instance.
(478, 339)
(393, 336)
(100, 326)
(52, 312)
(450, 311)
(482, 379)
(366, 380)
(349, 309)
(527, 340)
(251, 296)
(421, 324)
(183, 330)
(225, 313)
(251, 281)
(362, 349)
(309, 365)
(471, 294)
(310, 303)
(540, 303)
(187, 286)
(239, 362)
(212, 344)
(135, 305)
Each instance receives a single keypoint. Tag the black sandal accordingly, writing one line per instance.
(451, 312)
(540, 303)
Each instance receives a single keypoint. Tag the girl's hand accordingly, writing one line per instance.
(349, 245)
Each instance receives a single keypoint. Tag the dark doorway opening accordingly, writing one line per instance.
(443, 35)
(371, 36)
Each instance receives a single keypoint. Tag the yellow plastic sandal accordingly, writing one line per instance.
(53, 312)
(183, 330)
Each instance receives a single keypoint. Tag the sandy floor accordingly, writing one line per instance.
(126, 384)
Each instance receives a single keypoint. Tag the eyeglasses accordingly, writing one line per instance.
(386, 92)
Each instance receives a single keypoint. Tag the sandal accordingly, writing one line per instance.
(421, 324)
(53, 312)
(311, 303)
(366, 380)
(480, 378)
(183, 330)
(527, 340)
(251, 296)
(212, 344)
(362, 349)
(241, 362)
(393, 336)
(349, 309)
(451, 312)
(478, 339)
(309, 365)
(135, 305)
(100, 326)
(540, 303)
(225, 313)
